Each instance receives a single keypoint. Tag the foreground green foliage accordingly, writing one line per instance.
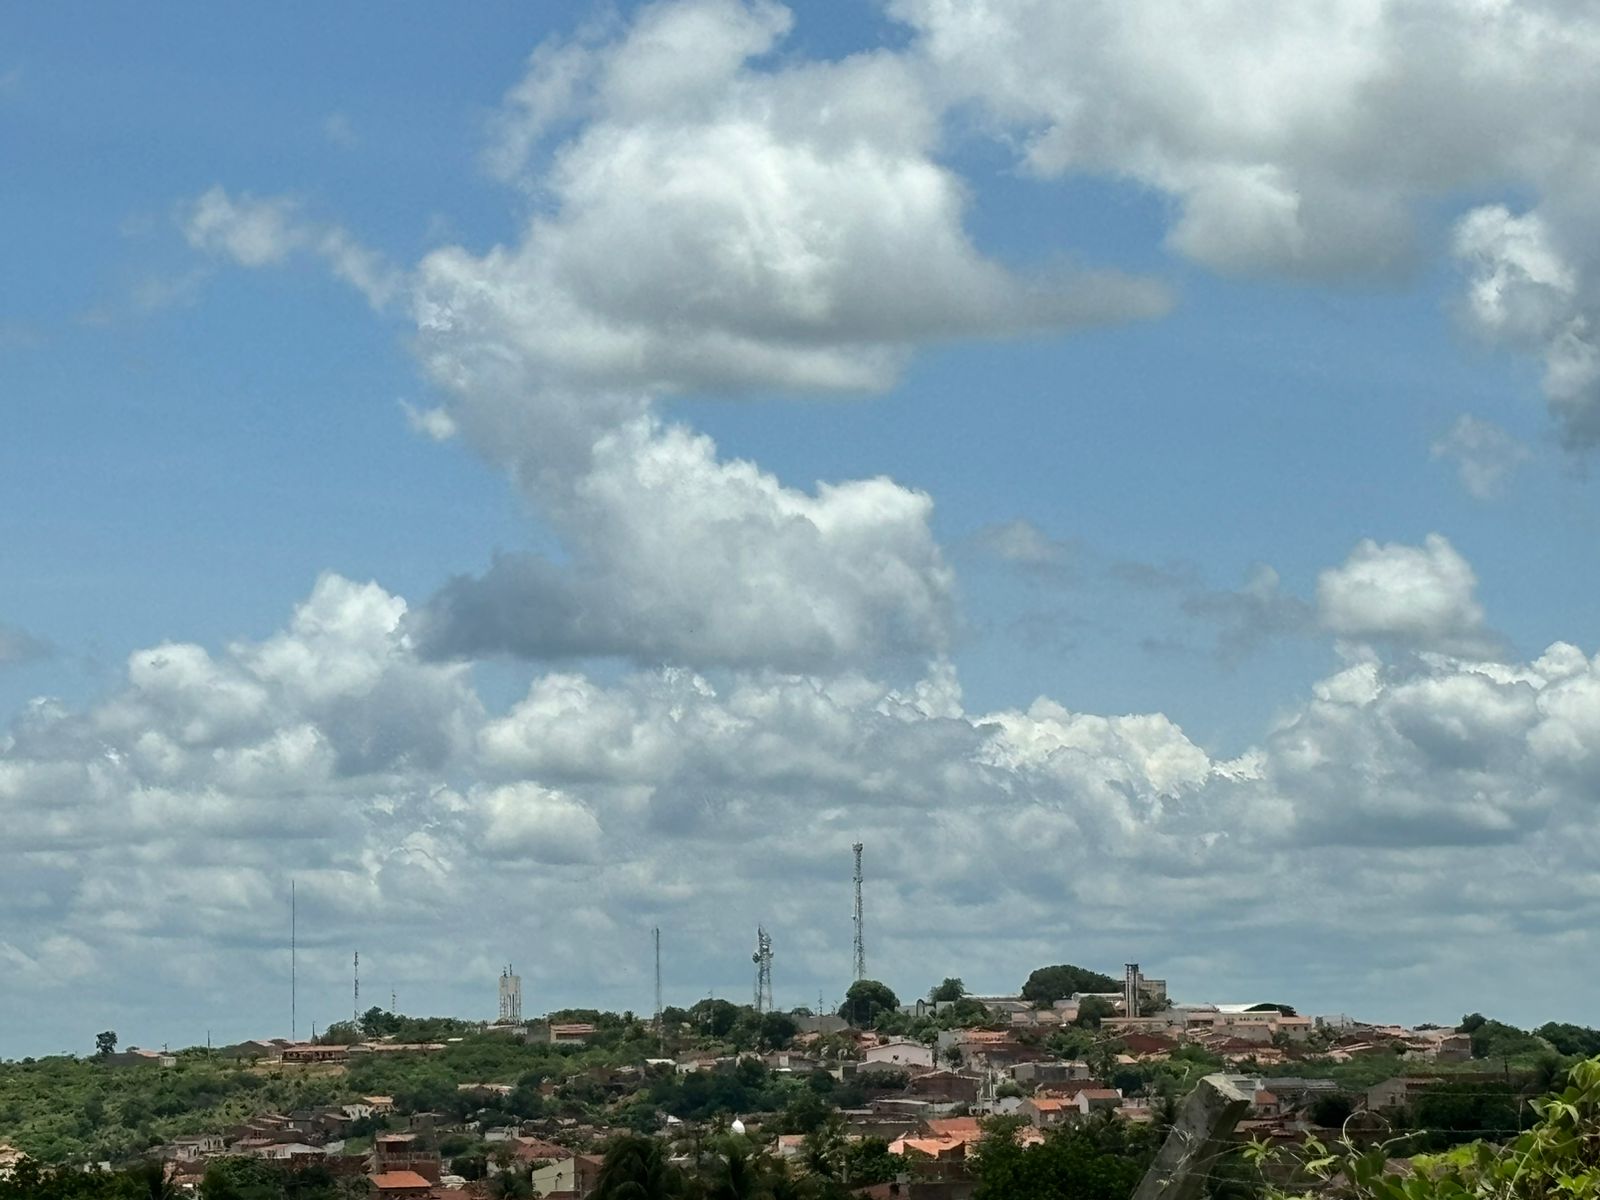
(1103, 1160)
(1558, 1157)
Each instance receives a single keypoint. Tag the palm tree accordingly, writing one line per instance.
(737, 1175)
(825, 1145)
(511, 1185)
(636, 1168)
(154, 1181)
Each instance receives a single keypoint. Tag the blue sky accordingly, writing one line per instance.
(1231, 476)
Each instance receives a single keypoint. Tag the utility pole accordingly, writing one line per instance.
(861, 945)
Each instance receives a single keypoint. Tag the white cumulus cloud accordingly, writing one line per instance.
(1423, 597)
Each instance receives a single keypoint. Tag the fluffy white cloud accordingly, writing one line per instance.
(171, 814)
(1526, 291)
(1423, 597)
(679, 556)
(266, 231)
(697, 223)
(713, 225)
(252, 232)
(1303, 139)
(1275, 128)
(1485, 455)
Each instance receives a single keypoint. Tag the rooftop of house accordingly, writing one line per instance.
(399, 1179)
(931, 1146)
(965, 1128)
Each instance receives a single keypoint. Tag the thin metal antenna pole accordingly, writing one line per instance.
(661, 1033)
(860, 921)
(294, 1027)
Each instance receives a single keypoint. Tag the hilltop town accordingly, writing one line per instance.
(880, 1098)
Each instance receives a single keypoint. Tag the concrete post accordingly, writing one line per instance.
(1204, 1124)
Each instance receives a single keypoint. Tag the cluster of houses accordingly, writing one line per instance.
(925, 1100)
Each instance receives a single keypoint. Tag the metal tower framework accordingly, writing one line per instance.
(763, 960)
(861, 945)
(294, 1030)
(355, 990)
(656, 936)
(510, 995)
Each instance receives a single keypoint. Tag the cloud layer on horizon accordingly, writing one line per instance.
(177, 807)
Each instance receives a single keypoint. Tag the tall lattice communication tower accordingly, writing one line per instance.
(294, 924)
(510, 996)
(355, 990)
(861, 945)
(656, 936)
(763, 960)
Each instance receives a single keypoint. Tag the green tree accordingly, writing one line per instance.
(1556, 1157)
(867, 1161)
(240, 1179)
(777, 1030)
(105, 1044)
(864, 1000)
(512, 1184)
(1049, 984)
(1097, 1162)
(1331, 1112)
(1092, 1011)
(375, 1022)
(715, 1018)
(1571, 1039)
(734, 1173)
(1451, 1112)
(951, 989)
(636, 1168)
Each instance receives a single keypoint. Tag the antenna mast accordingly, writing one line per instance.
(763, 960)
(355, 992)
(510, 995)
(861, 945)
(294, 1028)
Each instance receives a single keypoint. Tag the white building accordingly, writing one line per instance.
(900, 1053)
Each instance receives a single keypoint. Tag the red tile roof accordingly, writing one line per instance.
(399, 1179)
